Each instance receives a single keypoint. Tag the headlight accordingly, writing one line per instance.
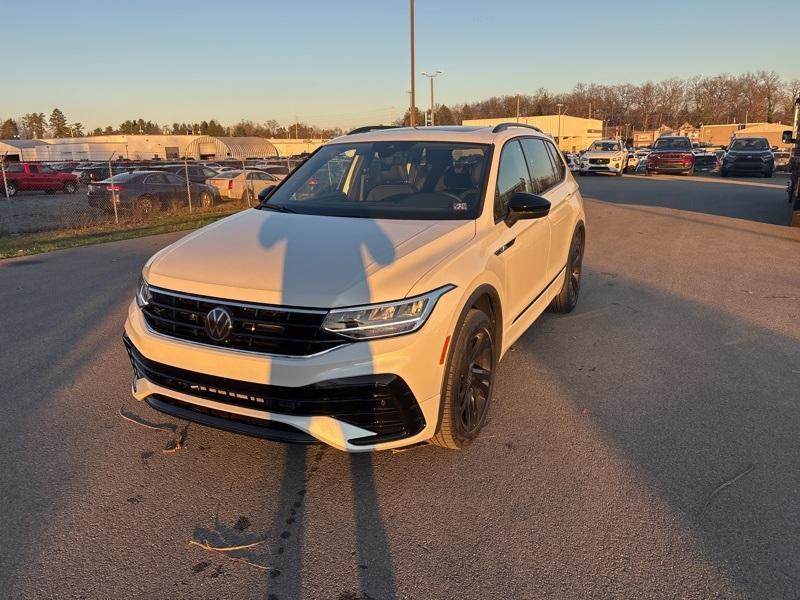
(767, 157)
(384, 320)
(143, 296)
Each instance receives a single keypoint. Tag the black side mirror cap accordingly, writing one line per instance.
(526, 206)
(786, 138)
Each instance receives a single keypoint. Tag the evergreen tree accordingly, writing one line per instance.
(9, 130)
(58, 124)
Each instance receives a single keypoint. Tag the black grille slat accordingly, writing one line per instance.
(265, 329)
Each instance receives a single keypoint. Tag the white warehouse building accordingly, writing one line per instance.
(138, 147)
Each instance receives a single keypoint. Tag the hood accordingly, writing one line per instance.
(305, 260)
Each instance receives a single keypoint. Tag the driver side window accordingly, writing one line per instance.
(512, 177)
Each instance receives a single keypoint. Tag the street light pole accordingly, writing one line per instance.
(412, 110)
(432, 76)
(559, 105)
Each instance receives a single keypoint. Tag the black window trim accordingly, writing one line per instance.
(519, 139)
(516, 140)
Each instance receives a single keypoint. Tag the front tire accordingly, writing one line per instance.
(468, 384)
(12, 189)
(567, 298)
(206, 200)
(70, 187)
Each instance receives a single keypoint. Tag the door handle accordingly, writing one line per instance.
(504, 247)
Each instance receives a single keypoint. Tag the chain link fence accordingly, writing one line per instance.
(116, 194)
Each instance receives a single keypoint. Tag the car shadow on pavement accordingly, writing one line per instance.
(701, 402)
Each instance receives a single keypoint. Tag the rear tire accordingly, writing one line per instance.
(145, 206)
(468, 384)
(567, 298)
(206, 200)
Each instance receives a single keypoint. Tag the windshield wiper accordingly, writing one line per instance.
(276, 207)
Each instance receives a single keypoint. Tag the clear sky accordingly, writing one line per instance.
(345, 62)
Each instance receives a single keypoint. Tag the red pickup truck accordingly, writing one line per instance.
(37, 177)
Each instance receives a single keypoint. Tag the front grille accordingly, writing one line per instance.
(256, 328)
(598, 161)
(380, 403)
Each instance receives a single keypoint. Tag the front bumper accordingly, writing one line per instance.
(748, 167)
(391, 365)
(606, 168)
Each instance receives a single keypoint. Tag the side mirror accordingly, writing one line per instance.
(526, 206)
(786, 138)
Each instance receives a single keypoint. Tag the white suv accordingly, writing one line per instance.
(367, 302)
(605, 156)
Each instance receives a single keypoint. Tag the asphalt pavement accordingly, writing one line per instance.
(644, 446)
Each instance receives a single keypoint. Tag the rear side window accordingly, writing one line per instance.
(540, 165)
(156, 178)
(174, 179)
(512, 177)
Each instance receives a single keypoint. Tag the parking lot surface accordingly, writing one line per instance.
(644, 446)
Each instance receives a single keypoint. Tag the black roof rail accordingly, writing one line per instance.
(367, 128)
(503, 126)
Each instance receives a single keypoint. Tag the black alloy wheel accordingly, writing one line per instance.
(475, 381)
(468, 382)
(567, 298)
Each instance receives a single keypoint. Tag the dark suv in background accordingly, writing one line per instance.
(748, 155)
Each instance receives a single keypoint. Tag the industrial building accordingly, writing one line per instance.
(721, 135)
(152, 147)
(571, 134)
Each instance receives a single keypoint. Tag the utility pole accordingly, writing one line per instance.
(412, 111)
(432, 76)
(559, 105)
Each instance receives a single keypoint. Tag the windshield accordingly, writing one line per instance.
(676, 143)
(389, 180)
(605, 147)
(744, 145)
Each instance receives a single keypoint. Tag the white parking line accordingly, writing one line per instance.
(776, 186)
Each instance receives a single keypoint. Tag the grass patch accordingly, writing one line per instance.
(24, 244)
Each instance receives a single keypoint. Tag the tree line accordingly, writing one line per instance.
(750, 97)
(36, 125)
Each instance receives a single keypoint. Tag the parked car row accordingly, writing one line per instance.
(677, 154)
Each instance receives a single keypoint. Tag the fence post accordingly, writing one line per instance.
(188, 184)
(247, 184)
(5, 181)
(113, 190)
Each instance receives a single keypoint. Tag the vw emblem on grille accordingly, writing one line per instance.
(219, 323)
